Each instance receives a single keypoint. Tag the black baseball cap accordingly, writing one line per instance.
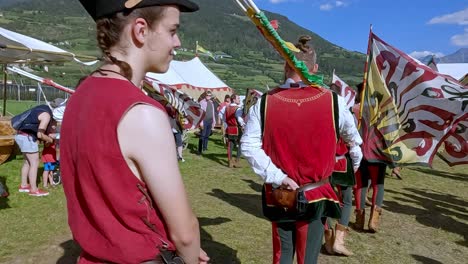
(101, 8)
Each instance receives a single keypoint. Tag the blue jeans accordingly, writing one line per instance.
(204, 135)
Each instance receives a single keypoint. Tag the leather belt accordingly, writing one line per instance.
(22, 133)
(311, 186)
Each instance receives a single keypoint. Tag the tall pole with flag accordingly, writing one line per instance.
(364, 80)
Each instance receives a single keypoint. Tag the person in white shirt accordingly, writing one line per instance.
(290, 142)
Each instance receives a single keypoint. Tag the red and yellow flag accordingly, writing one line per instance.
(409, 109)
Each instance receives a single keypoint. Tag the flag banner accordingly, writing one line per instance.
(408, 109)
(454, 150)
(202, 51)
(251, 98)
(188, 112)
(345, 90)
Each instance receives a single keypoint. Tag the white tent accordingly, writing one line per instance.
(193, 78)
(456, 70)
(18, 48)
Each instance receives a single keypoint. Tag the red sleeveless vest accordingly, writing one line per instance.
(299, 136)
(107, 205)
(231, 120)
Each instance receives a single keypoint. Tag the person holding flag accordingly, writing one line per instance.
(276, 148)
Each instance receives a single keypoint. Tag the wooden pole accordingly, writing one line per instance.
(364, 81)
(4, 88)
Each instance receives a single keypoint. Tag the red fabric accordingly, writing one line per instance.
(105, 206)
(231, 120)
(302, 230)
(341, 165)
(357, 189)
(49, 154)
(300, 137)
(276, 243)
(223, 104)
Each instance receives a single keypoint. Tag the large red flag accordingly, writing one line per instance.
(408, 109)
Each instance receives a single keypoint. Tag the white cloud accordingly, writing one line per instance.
(339, 3)
(460, 18)
(460, 39)
(278, 1)
(326, 7)
(422, 54)
(332, 4)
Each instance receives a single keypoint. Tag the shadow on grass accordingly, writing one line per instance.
(444, 174)
(249, 203)
(425, 260)
(3, 189)
(71, 252)
(254, 185)
(218, 252)
(438, 211)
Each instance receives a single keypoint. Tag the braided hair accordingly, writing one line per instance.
(109, 30)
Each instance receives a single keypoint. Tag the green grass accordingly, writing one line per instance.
(425, 217)
(16, 107)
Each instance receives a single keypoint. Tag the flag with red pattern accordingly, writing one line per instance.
(454, 149)
(345, 90)
(408, 109)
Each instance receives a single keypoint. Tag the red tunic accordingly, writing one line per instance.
(231, 120)
(49, 154)
(299, 136)
(106, 203)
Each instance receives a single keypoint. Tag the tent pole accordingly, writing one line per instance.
(4, 88)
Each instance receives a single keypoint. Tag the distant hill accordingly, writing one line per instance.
(219, 26)
(460, 56)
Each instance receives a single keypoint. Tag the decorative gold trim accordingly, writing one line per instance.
(299, 101)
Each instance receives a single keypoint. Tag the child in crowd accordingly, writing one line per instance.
(49, 157)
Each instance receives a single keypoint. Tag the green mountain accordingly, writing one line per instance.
(219, 26)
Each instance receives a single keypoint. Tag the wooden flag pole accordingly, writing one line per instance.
(364, 81)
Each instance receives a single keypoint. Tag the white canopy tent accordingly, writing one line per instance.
(456, 70)
(193, 78)
(18, 48)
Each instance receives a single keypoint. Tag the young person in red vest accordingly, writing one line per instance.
(227, 101)
(231, 115)
(290, 141)
(125, 196)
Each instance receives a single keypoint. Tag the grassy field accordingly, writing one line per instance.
(425, 217)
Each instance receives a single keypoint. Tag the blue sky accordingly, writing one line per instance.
(416, 27)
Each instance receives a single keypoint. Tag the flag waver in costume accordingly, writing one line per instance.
(408, 109)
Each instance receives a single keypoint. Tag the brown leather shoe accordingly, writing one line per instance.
(374, 219)
(339, 244)
(360, 219)
(231, 163)
(328, 235)
(237, 164)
